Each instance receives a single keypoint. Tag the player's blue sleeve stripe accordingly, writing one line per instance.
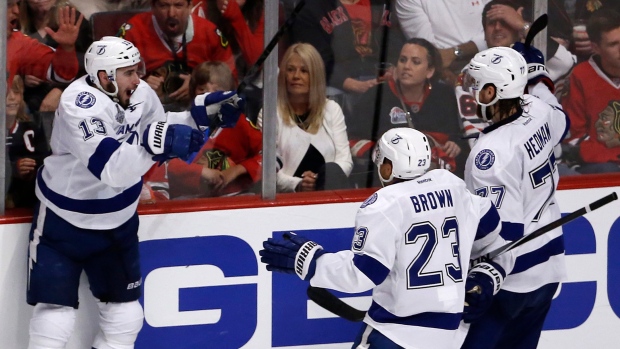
(444, 321)
(95, 206)
(540, 255)
(511, 231)
(488, 223)
(102, 155)
(371, 267)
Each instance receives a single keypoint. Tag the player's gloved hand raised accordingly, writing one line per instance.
(217, 109)
(536, 70)
(166, 141)
(483, 282)
(293, 254)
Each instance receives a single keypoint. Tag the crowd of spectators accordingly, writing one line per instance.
(349, 71)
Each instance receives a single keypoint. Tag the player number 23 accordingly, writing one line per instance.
(426, 234)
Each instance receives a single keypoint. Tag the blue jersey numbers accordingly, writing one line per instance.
(424, 236)
(497, 193)
(94, 126)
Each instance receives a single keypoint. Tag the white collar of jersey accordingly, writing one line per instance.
(189, 33)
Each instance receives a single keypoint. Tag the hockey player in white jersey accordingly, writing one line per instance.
(109, 130)
(412, 245)
(513, 164)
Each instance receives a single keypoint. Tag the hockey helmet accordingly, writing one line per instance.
(503, 67)
(109, 54)
(407, 149)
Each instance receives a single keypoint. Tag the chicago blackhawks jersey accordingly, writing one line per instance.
(93, 178)
(513, 164)
(412, 244)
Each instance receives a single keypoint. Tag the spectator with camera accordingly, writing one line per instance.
(173, 42)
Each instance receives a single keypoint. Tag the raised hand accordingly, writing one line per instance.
(68, 28)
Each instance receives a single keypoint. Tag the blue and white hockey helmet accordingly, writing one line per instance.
(407, 149)
(503, 67)
(109, 54)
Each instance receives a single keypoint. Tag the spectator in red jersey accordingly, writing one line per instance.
(172, 42)
(35, 16)
(593, 85)
(27, 56)
(242, 22)
(228, 164)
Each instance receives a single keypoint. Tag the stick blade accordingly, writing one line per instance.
(539, 24)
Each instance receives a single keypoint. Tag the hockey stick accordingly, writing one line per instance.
(333, 304)
(569, 217)
(539, 25)
(274, 41)
(328, 301)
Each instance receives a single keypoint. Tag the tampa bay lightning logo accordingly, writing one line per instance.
(485, 159)
(85, 100)
(100, 49)
(496, 59)
(396, 139)
(371, 200)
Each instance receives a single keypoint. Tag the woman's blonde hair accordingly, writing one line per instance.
(214, 72)
(18, 87)
(26, 16)
(317, 98)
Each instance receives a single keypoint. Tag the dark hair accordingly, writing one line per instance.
(433, 56)
(487, 7)
(505, 106)
(602, 21)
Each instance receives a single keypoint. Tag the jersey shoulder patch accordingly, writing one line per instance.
(85, 100)
(485, 159)
(371, 200)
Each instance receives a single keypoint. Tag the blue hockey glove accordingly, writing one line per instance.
(536, 69)
(166, 141)
(293, 254)
(217, 109)
(483, 282)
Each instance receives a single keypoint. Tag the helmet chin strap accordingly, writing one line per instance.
(484, 106)
(114, 94)
(383, 180)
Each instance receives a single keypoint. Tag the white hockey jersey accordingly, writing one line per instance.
(412, 244)
(93, 178)
(513, 164)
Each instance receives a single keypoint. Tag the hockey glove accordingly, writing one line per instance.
(483, 282)
(217, 109)
(293, 254)
(536, 70)
(166, 141)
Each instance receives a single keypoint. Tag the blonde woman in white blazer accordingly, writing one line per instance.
(312, 141)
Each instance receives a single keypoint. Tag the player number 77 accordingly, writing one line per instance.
(495, 190)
